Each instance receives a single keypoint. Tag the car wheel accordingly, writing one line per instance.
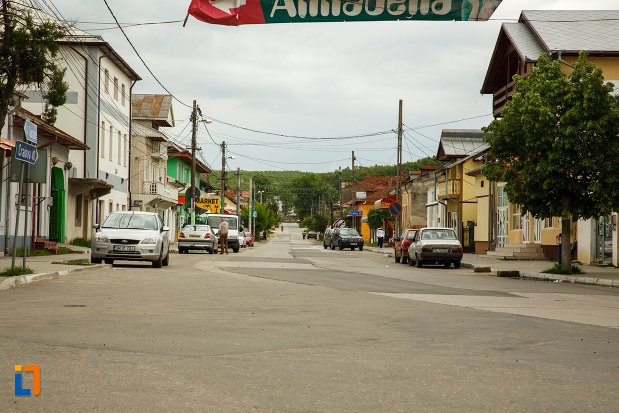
(107, 261)
(457, 264)
(340, 246)
(159, 261)
(411, 262)
(181, 251)
(352, 248)
(332, 247)
(95, 260)
(397, 259)
(166, 260)
(419, 263)
(324, 245)
(235, 249)
(404, 259)
(211, 251)
(361, 248)
(446, 264)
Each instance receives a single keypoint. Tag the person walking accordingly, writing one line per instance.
(380, 234)
(223, 236)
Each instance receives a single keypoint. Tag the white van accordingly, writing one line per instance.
(233, 228)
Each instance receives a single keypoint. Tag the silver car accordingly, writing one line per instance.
(197, 237)
(435, 246)
(133, 236)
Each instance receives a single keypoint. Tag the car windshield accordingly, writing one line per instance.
(215, 221)
(197, 228)
(349, 231)
(248, 234)
(411, 235)
(130, 221)
(439, 234)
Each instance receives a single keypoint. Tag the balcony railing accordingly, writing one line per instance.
(160, 189)
(159, 151)
(453, 189)
(502, 96)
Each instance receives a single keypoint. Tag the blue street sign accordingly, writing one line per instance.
(254, 213)
(30, 130)
(395, 209)
(26, 152)
(355, 213)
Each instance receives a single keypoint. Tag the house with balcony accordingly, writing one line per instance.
(560, 34)
(451, 199)
(98, 114)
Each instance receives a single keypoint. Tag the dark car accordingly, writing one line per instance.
(401, 245)
(312, 234)
(326, 239)
(346, 238)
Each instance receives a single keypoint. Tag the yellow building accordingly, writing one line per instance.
(560, 35)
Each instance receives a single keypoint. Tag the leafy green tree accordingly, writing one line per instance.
(556, 145)
(377, 217)
(307, 188)
(27, 58)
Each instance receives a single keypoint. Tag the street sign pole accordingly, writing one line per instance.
(21, 182)
(26, 212)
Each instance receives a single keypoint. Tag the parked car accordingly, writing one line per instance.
(197, 237)
(326, 238)
(312, 234)
(402, 244)
(213, 220)
(242, 240)
(435, 246)
(132, 236)
(249, 238)
(346, 238)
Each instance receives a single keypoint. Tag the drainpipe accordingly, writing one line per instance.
(435, 194)
(128, 154)
(490, 214)
(560, 60)
(85, 106)
(96, 200)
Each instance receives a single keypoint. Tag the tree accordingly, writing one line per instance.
(307, 189)
(377, 217)
(556, 145)
(27, 58)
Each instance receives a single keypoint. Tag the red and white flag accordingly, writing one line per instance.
(227, 12)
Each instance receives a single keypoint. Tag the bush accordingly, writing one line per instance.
(11, 272)
(81, 242)
(556, 269)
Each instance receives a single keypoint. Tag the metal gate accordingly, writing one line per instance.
(604, 240)
(502, 217)
(468, 238)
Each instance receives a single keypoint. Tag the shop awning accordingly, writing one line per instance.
(6, 144)
(384, 203)
(48, 131)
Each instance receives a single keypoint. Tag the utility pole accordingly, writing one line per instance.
(238, 193)
(194, 121)
(398, 219)
(354, 191)
(251, 204)
(340, 191)
(223, 175)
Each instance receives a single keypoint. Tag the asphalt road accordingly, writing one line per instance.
(290, 327)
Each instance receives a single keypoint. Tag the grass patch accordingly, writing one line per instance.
(81, 242)
(72, 263)
(11, 272)
(556, 269)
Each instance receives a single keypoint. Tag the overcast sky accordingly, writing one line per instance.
(311, 79)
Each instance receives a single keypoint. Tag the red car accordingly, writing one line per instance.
(249, 239)
(401, 245)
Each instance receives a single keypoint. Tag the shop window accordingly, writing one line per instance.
(516, 217)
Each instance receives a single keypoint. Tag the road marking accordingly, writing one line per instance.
(597, 310)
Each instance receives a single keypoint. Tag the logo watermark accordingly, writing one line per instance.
(36, 370)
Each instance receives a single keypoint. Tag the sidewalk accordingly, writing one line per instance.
(604, 276)
(44, 269)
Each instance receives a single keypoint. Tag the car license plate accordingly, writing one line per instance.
(353, 243)
(194, 236)
(124, 248)
(440, 250)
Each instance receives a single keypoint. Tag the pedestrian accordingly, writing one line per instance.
(282, 228)
(223, 236)
(380, 234)
(304, 234)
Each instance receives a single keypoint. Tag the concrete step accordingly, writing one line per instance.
(524, 255)
(527, 246)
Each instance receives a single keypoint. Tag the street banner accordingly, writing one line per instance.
(211, 204)
(238, 12)
(245, 194)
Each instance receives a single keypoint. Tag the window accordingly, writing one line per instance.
(516, 216)
(124, 207)
(119, 147)
(78, 210)
(548, 223)
(106, 81)
(147, 171)
(111, 206)
(482, 184)
(179, 176)
(102, 143)
(126, 144)
(115, 88)
(122, 94)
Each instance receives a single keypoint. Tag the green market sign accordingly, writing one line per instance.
(238, 12)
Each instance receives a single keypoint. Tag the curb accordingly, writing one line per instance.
(12, 282)
(604, 282)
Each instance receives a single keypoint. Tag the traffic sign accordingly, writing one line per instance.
(26, 152)
(395, 209)
(355, 213)
(255, 213)
(30, 130)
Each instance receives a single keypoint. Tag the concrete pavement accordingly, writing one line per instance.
(593, 275)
